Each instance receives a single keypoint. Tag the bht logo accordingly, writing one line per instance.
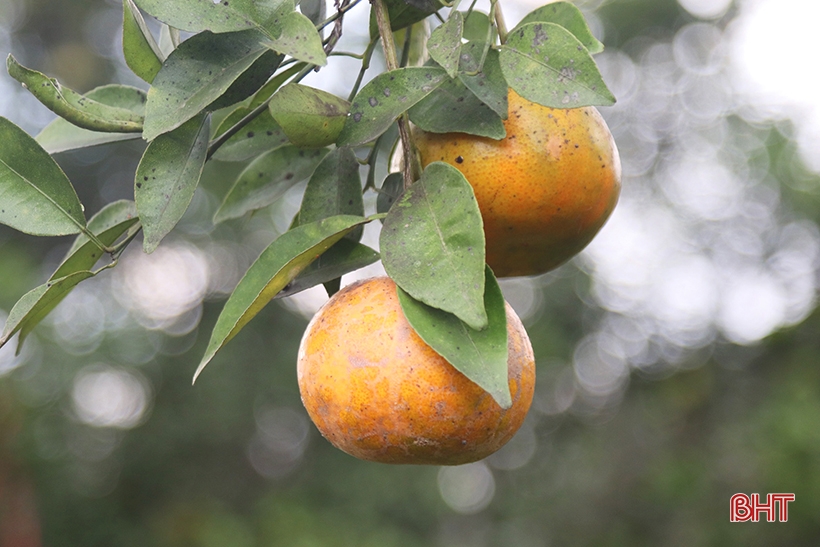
(743, 509)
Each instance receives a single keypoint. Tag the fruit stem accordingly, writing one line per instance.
(412, 165)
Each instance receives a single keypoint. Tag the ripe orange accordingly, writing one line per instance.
(377, 391)
(544, 190)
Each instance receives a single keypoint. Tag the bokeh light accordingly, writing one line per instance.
(104, 396)
(467, 489)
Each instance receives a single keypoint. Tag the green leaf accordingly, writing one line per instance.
(262, 134)
(249, 82)
(36, 197)
(488, 84)
(167, 177)
(335, 188)
(482, 356)
(36, 304)
(74, 107)
(472, 56)
(197, 73)
(109, 224)
(222, 16)
(385, 98)
(285, 31)
(569, 17)
(315, 10)
(403, 13)
(547, 65)
(61, 136)
(344, 257)
(299, 39)
(169, 39)
(453, 107)
(267, 178)
(309, 117)
(141, 51)
(477, 27)
(391, 190)
(277, 266)
(445, 43)
(432, 244)
(273, 84)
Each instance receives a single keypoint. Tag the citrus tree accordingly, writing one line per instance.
(499, 157)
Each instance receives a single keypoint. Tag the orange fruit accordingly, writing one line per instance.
(375, 390)
(544, 190)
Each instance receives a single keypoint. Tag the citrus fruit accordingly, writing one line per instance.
(544, 190)
(375, 390)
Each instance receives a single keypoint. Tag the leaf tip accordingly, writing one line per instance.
(502, 397)
(200, 368)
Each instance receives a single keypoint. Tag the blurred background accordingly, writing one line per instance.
(677, 357)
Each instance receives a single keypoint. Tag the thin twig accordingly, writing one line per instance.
(338, 14)
(368, 54)
(412, 168)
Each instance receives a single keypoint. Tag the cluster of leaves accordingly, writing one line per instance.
(232, 92)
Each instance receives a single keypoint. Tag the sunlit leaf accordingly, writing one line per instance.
(547, 65)
(36, 197)
(482, 356)
(568, 16)
(299, 39)
(309, 117)
(432, 244)
(74, 107)
(222, 16)
(61, 136)
(278, 265)
(141, 51)
(167, 177)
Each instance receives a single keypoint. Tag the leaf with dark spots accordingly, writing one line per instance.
(175, 161)
(284, 259)
(569, 17)
(453, 107)
(309, 117)
(401, 89)
(560, 75)
(61, 135)
(482, 356)
(435, 229)
(265, 180)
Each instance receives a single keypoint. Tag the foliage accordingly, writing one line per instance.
(240, 67)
